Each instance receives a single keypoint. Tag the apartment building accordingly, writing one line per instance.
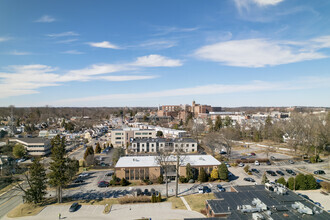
(153, 145)
(136, 168)
(123, 137)
(34, 146)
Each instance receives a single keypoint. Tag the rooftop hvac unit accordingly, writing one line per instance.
(302, 208)
(257, 216)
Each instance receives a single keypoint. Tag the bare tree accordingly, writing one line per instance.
(163, 160)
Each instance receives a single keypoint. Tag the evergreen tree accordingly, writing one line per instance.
(301, 183)
(98, 148)
(202, 177)
(218, 124)
(228, 121)
(189, 173)
(291, 183)
(73, 167)
(159, 197)
(223, 171)
(58, 167)
(311, 182)
(37, 183)
(281, 181)
(264, 178)
(19, 151)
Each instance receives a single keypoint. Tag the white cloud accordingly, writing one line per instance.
(267, 2)
(155, 60)
(46, 19)
(67, 41)
(103, 44)
(262, 52)
(19, 53)
(3, 39)
(126, 78)
(72, 52)
(33, 77)
(164, 30)
(63, 34)
(158, 44)
(254, 86)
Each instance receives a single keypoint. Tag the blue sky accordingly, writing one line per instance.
(145, 53)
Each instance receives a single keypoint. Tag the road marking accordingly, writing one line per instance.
(185, 203)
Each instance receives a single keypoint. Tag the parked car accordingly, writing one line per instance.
(102, 184)
(291, 161)
(206, 189)
(200, 190)
(223, 152)
(307, 161)
(249, 179)
(272, 158)
(255, 170)
(241, 164)
(270, 172)
(74, 207)
(153, 192)
(110, 173)
(252, 154)
(146, 192)
(318, 204)
(268, 163)
(83, 175)
(256, 163)
(290, 172)
(320, 172)
(280, 172)
(227, 164)
(220, 188)
(139, 192)
(78, 181)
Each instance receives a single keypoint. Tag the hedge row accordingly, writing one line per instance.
(261, 160)
(134, 199)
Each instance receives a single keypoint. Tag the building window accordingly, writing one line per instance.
(146, 171)
(136, 174)
(131, 174)
(127, 174)
(193, 150)
(141, 174)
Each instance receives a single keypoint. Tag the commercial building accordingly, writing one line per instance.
(153, 145)
(262, 202)
(136, 168)
(34, 146)
(122, 137)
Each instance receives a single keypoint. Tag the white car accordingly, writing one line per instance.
(83, 174)
(256, 163)
(241, 164)
(200, 190)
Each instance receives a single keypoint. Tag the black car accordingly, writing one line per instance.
(290, 172)
(249, 179)
(270, 172)
(319, 172)
(102, 184)
(307, 161)
(78, 181)
(255, 170)
(268, 163)
(146, 192)
(206, 189)
(74, 207)
(138, 192)
(280, 172)
(109, 174)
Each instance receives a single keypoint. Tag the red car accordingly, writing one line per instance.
(253, 154)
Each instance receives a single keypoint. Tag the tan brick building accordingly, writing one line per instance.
(136, 168)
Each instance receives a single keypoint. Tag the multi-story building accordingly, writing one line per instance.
(34, 146)
(136, 168)
(122, 137)
(153, 145)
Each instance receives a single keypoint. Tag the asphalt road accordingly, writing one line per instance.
(10, 200)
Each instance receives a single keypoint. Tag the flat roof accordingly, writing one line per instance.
(150, 161)
(31, 140)
(176, 140)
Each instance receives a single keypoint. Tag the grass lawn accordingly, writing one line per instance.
(25, 210)
(176, 202)
(197, 201)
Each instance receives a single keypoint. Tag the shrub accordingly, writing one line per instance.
(183, 179)
(301, 183)
(281, 181)
(203, 211)
(325, 186)
(315, 159)
(215, 174)
(264, 178)
(311, 182)
(159, 197)
(124, 182)
(153, 199)
(133, 199)
(234, 164)
(249, 173)
(160, 179)
(246, 168)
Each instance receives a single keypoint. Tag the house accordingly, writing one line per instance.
(136, 168)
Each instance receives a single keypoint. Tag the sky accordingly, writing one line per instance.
(229, 53)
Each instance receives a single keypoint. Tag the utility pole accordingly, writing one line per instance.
(177, 175)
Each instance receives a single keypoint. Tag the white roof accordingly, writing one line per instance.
(150, 161)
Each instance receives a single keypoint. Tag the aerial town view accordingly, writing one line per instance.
(164, 110)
